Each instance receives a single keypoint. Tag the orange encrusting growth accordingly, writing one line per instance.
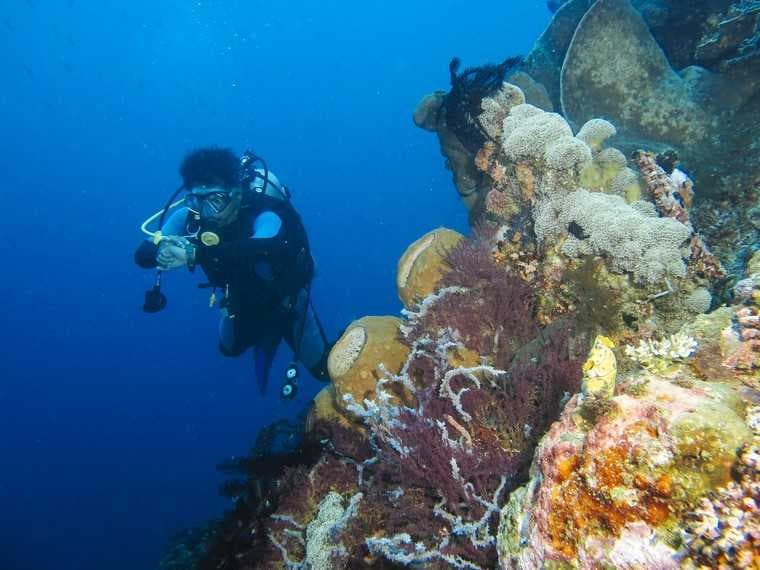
(583, 503)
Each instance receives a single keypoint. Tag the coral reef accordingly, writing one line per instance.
(724, 531)
(588, 64)
(668, 75)
(671, 194)
(731, 225)
(744, 333)
(562, 199)
(453, 116)
(467, 435)
(611, 59)
(615, 492)
(576, 383)
(468, 180)
(727, 338)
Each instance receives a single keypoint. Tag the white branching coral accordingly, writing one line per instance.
(446, 390)
(380, 415)
(387, 418)
(414, 316)
(652, 353)
(401, 548)
(321, 537)
(478, 531)
(323, 533)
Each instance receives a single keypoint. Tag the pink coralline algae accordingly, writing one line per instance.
(743, 335)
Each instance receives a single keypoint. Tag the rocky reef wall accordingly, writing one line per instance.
(574, 384)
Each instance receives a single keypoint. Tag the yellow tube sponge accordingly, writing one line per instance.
(600, 370)
(423, 264)
(354, 362)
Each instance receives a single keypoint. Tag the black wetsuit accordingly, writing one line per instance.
(264, 283)
(261, 277)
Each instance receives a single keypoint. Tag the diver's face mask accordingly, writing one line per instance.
(208, 203)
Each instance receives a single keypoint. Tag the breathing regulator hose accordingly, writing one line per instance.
(155, 300)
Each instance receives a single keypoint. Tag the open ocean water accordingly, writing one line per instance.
(111, 420)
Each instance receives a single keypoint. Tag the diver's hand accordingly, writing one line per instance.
(174, 252)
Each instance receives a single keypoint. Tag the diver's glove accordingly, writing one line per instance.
(174, 252)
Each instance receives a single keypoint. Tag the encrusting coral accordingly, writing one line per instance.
(618, 491)
(724, 530)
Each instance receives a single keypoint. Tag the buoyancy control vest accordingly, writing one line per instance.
(234, 264)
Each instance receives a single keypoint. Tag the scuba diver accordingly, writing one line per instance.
(237, 223)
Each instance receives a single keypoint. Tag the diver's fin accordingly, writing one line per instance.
(262, 363)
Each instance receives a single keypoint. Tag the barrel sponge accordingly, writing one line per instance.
(651, 248)
(595, 132)
(423, 264)
(324, 409)
(354, 362)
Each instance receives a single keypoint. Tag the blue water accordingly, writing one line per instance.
(111, 421)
